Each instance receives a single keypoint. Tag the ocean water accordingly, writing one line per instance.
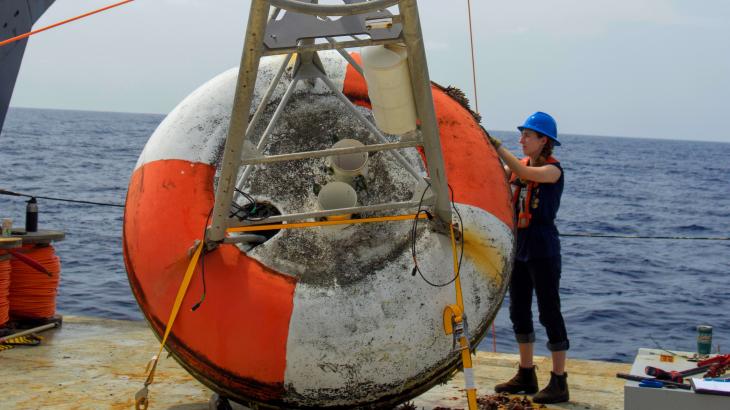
(617, 294)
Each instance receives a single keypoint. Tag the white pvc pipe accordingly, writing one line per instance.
(348, 166)
(337, 195)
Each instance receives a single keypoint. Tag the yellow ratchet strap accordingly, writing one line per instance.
(456, 313)
(141, 401)
(253, 228)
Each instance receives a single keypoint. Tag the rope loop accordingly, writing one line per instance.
(26, 35)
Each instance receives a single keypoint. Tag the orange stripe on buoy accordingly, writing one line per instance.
(238, 335)
(354, 86)
(481, 183)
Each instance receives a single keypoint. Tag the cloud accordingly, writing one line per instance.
(436, 45)
(569, 17)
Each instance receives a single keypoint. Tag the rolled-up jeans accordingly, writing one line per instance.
(543, 276)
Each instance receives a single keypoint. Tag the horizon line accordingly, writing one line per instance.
(495, 130)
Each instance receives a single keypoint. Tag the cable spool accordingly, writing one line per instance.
(4, 289)
(6, 244)
(32, 293)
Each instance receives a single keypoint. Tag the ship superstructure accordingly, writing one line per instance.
(16, 17)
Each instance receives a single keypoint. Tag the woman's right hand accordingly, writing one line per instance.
(496, 143)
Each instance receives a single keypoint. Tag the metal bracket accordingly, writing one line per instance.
(455, 324)
(308, 66)
(452, 314)
(351, 7)
(293, 27)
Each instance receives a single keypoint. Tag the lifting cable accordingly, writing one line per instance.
(473, 60)
(30, 33)
(476, 107)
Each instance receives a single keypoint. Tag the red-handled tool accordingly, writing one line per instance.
(716, 366)
(660, 374)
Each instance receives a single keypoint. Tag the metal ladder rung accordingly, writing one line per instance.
(327, 152)
(233, 222)
(329, 46)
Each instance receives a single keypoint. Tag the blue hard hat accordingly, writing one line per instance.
(542, 123)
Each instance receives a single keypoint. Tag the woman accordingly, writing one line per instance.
(537, 183)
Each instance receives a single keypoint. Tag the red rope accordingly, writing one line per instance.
(33, 294)
(4, 291)
(26, 35)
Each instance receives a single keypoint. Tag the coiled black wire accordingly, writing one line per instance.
(416, 269)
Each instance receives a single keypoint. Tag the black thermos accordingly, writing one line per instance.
(31, 216)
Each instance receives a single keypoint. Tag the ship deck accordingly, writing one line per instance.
(92, 363)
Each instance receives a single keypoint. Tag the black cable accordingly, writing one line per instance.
(249, 213)
(415, 227)
(202, 263)
(253, 210)
(76, 201)
(684, 238)
(416, 269)
(461, 230)
(247, 196)
(240, 208)
(668, 351)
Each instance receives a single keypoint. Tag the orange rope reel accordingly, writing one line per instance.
(32, 293)
(4, 290)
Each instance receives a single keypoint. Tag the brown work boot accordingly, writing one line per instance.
(555, 392)
(525, 381)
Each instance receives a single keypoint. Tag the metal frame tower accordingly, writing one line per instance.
(291, 27)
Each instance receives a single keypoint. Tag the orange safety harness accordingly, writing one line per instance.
(523, 209)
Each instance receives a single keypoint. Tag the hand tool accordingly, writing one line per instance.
(643, 379)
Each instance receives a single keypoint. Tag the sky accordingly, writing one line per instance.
(636, 68)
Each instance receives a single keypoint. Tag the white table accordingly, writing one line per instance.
(646, 398)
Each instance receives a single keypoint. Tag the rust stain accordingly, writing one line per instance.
(129, 403)
(486, 258)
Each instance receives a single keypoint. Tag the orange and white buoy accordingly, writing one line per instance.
(313, 317)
